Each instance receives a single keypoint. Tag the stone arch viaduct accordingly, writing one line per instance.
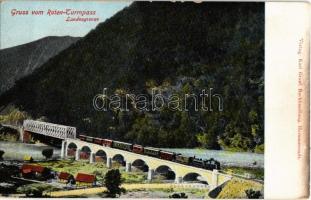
(213, 178)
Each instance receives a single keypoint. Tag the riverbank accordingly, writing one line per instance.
(247, 172)
(9, 185)
(9, 134)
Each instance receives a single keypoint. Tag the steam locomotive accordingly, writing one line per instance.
(154, 152)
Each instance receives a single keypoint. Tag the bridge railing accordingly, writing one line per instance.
(49, 129)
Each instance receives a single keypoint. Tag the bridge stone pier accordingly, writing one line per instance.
(213, 178)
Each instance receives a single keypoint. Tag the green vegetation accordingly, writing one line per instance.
(181, 48)
(11, 116)
(133, 177)
(98, 169)
(14, 116)
(258, 173)
(113, 182)
(252, 194)
(8, 134)
(235, 189)
(260, 148)
(36, 189)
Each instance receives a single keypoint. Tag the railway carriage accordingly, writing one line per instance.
(122, 145)
(152, 151)
(89, 139)
(82, 137)
(98, 141)
(138, 149)
(165, 155)
(107, 143)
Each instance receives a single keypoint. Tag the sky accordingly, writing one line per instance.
(20, 29)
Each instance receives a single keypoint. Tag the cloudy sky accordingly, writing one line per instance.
(21, 29)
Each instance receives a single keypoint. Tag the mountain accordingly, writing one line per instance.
(19, 61)
(182, 48)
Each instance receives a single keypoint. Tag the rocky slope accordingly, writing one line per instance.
(19, 61)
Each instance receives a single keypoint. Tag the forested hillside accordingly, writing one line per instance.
(178, 47)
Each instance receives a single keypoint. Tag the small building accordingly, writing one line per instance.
(65, 177)
(85, 179)
(34, 171)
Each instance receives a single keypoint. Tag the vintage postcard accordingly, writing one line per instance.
(125, 99)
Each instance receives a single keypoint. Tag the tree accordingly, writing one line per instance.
(252, 194)
(178, 196)
(47, 153)
(113, 182)
(1, 154)
(35, 189)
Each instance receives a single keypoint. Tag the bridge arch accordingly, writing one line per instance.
(194, 177)
(140, 165)
(85, 152)
(119, 158)
(100, 156)
(86, 149)
(72, 145)
(71, 149)
(165, 171)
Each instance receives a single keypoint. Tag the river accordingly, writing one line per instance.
(242, 159)
(17, 150)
